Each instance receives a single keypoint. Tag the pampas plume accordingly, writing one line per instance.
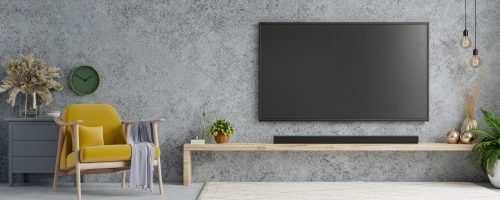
(470, 97)
(30, 75)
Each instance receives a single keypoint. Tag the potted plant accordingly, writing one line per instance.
(486, 154)
(221, 130)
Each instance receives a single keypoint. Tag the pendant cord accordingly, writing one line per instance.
(475, 24)
(465, 21)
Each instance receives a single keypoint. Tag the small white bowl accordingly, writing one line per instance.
(54, 114)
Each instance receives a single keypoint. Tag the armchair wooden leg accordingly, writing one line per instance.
(160, 181)
(124, 175)
(78, 183)
(54, 181)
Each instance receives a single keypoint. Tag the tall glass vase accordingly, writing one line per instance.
(31, 105)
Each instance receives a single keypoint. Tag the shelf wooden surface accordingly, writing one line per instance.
(249, 147)
(328, 147)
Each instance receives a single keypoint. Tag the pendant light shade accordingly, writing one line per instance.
(465, 43)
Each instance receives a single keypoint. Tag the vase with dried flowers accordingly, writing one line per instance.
(32, 78)
(469, 123)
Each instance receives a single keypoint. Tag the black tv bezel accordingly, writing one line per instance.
(340, 23)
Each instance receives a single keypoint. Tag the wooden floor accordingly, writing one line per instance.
(347, 191)
(173, 191)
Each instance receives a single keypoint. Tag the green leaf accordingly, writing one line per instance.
(492, 121)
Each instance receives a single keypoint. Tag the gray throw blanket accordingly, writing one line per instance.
(143, 153)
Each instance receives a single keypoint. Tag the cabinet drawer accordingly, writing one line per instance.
(34, 148)
(35, 132)
(33, 164)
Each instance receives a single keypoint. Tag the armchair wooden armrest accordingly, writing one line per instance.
(127, 122)
(154, 122)
(74, 125)
(62, 123)
(158, 120)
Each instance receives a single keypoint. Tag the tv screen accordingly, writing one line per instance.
(343, 71)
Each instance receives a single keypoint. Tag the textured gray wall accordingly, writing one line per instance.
(178, 58)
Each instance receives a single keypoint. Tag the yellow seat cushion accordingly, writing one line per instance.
(89, 136)
(104, 153)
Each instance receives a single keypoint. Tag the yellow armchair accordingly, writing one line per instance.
(113, 156)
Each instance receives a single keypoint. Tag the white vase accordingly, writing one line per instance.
(495, 180)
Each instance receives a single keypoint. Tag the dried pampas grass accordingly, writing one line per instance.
(471, 96)
(30, 75)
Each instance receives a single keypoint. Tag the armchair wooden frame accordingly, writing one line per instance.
(98, 167)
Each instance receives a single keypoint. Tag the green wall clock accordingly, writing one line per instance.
(84, 80)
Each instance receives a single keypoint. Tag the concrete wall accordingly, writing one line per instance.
(175, 59)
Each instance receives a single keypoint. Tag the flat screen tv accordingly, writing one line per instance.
(343, 71)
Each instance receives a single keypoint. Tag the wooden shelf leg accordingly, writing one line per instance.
(187, 168)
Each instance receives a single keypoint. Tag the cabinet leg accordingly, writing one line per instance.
(11, 183)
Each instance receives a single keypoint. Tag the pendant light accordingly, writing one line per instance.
(474, 61)
(465, 43)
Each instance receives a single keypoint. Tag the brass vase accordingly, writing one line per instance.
(465, 136)
(453, 136)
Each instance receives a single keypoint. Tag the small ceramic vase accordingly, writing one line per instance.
(221, 138)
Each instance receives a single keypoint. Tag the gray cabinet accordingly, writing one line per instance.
(32, 145)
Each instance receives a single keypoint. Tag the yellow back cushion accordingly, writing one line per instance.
(89, 136)
(92, 115)
(98, 115)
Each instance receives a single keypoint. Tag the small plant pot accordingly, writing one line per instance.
(495, 180)
(221, 138)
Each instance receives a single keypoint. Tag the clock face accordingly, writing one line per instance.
(84, 80)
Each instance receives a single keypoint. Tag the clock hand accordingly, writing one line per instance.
(89, 77)
(80, 77)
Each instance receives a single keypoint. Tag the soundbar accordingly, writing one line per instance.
(345, 139)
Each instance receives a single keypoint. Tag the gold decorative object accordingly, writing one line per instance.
(470, 102)
(467, 137)
(453, 136)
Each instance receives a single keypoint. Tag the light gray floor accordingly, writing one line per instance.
(101, 191)
(98, 191)
(489, 186)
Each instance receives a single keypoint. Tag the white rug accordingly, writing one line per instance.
(346, 190)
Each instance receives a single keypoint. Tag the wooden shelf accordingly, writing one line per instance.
(328, 147)
(189, 148)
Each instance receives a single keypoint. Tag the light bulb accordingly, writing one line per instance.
(465, 40)
(474, 61)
